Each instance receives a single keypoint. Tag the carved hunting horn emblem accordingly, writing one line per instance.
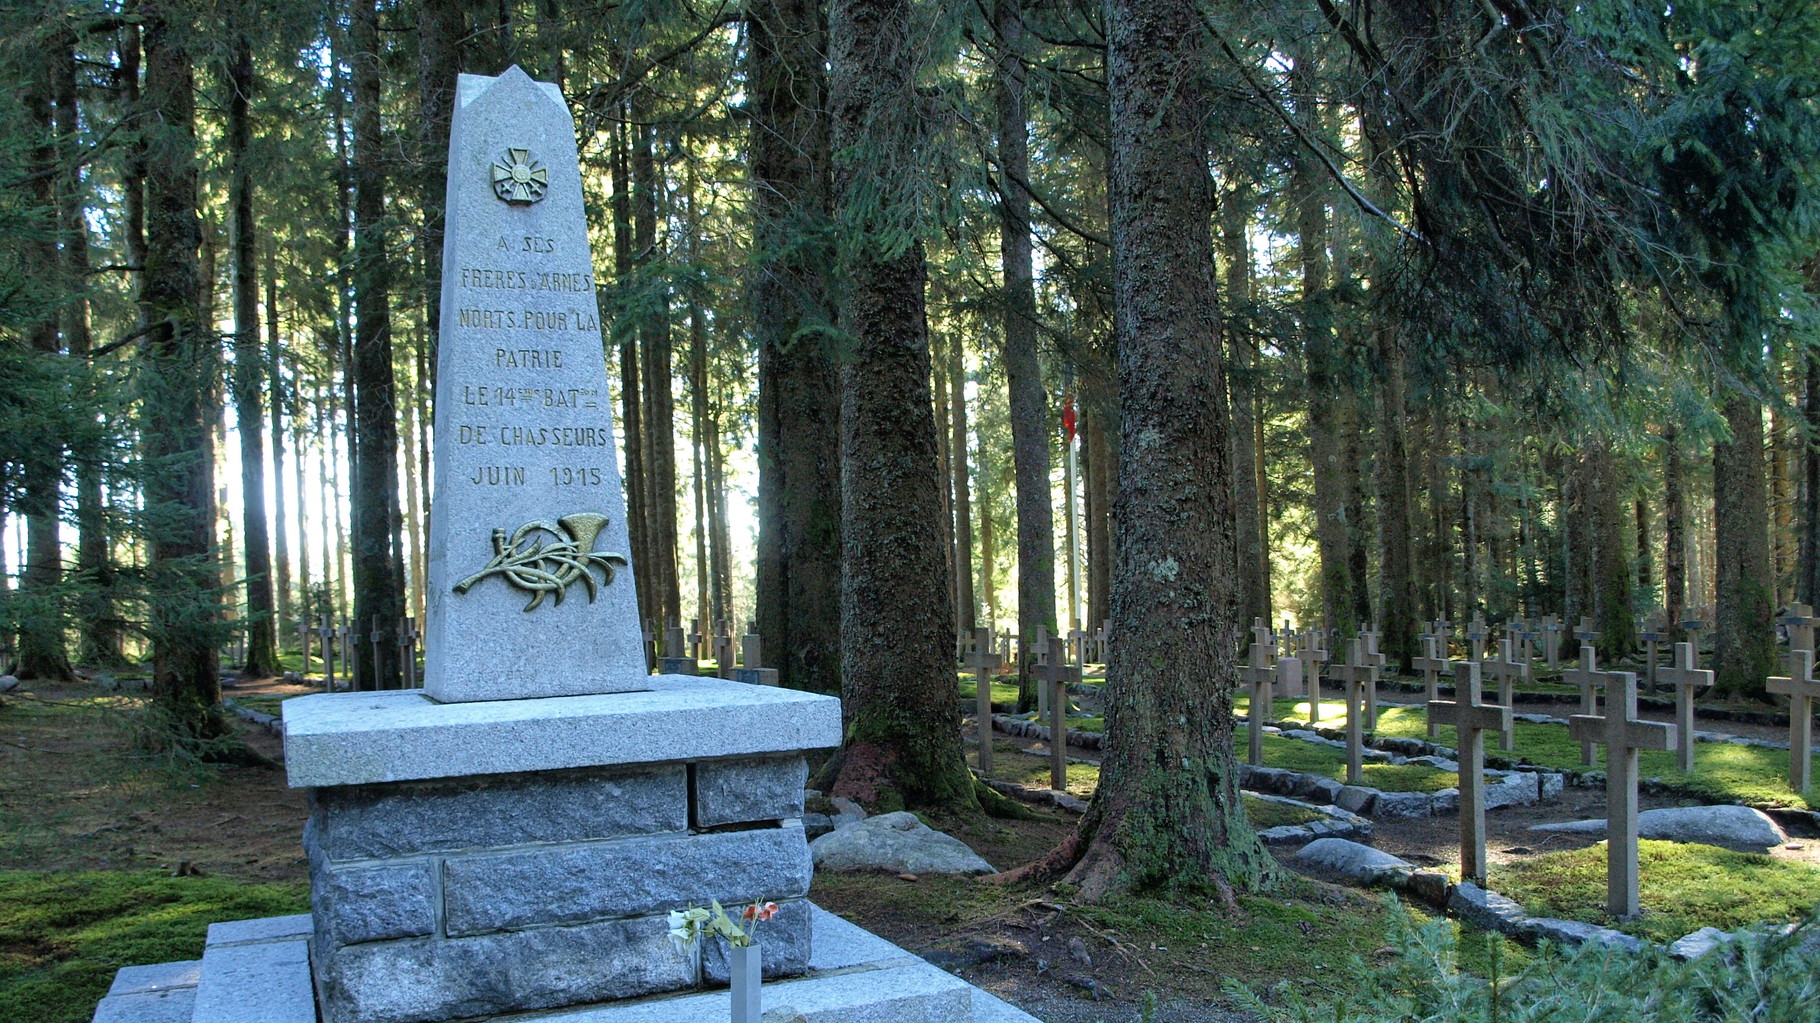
(544, 568)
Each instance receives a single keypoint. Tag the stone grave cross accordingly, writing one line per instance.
(1588, 677)
(1800, 621)
(326, 633)
(1431, 664)
(377, 636)
(1359, 674)
(1508, 670)
(1443, 631)
(723, 655)
(303, 643)
(676, 659)
(1686, 678)
(1585, 631)
(752, 670)
(1551, 642)
(1471, 719)
(1261, 634)
(1802, 689)
(407, 651)
(1623, 734)
(1371, 634)
(1259, 675)
(985, 663)
(1652, 634)
(1476, 634)
(349, 643)
(1056, 673)
(1312, 652)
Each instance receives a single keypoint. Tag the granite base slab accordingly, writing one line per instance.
(253, 970)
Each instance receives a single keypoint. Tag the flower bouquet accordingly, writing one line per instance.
(689, 926)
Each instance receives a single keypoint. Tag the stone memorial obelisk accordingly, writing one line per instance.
(528, 537)
(512, 838)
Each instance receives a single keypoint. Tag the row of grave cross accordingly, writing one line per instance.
(680, 652)
(1084, 647)
(344, 642)
(1054, 672)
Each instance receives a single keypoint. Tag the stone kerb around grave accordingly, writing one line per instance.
(525, 854)
(530, 581)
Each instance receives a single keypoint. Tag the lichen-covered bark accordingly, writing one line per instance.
(799, 504)
(1744, 635)
(1167, 811)
(903, 735)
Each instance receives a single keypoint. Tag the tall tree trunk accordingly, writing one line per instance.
(1440, 504)
(43, 653)
(723, 540)
(176, 372)
(966, 608)
(655, 348)
(1328, 394)
(632, 425)
(100, 630)
(1674, 526)
(1398, 595)
(132, 169)
(1167, 813)
(1744, 636)
(249, 368)
(1807, 563)
(988, 588)
(1611, 565)
(1023, 373)
(281, 559)
(1241, 356)
(938, 367)
(799, 496)
(377, 602)
(903, 741)
(441, 26)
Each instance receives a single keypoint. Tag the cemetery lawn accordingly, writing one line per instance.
(1004, 695)
(1684, 887)
(62, 935)
(1009, 763)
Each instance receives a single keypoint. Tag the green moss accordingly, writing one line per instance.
(1004, 697)
(62, 935)
(1683, 888)
(1264, 813)
(1310, 758)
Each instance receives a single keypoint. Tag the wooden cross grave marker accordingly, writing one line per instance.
(723, 655)
(1588, 677)
(1057, 673)
(1431, 664)
(1508, 670)
(376, 637)
(1622, 735)
(326, 633)
(1801, 688)
(985, 663)
(1471, 718)
(1358, 673)
(407, 651)
(1686, 678)
(1259, 675)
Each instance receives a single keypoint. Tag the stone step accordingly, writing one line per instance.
(257, 971)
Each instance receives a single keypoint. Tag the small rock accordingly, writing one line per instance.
(847, 812)
(897, 843)
(1730, 827)
(1356, 798)
(1078, 949)
(8, 683)
(1573, 932)
(1488, 910)
(1697, 944)
(1430, 886)
(1403, 804)
(908, 877)
(815, 825)
(1351, 859)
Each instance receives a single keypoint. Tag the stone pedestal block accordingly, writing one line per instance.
(537, 875)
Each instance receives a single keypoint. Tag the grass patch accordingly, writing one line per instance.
(1264, 813)
(62, 935)
(1684, 887)
(1004, 695)
(1309, 758)
(1723, 772)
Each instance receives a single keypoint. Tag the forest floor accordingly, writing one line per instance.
(78, 793)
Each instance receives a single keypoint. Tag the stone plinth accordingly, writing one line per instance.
(482, 858)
